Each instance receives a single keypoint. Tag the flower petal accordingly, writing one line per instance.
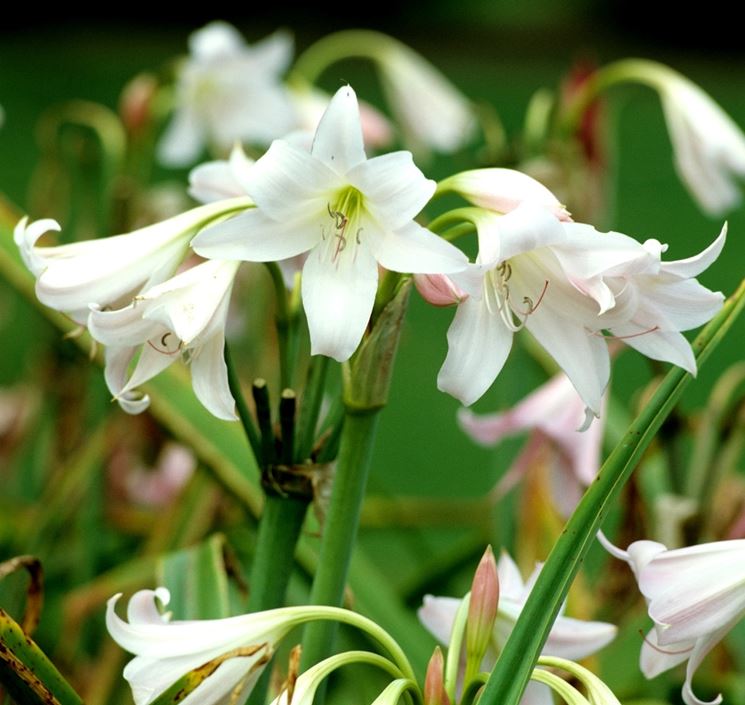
(478, 345)
(575, 639)
(413, 249)
(655, 659)
(338, 290)
(254, 237)
(338, 141)
(209, 376)
(183, 140)
(693, 266)
(438, 614)
(394, 187)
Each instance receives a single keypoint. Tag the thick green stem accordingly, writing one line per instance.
(285, 327)
(340, 528)
(521, 652)
(311, 406)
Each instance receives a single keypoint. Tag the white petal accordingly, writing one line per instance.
(154, 358)
(394, 187)
(124, 327)
(414, 249)
(253, 237)
(215, 39)
(693, 266)
(116, 373)
(702, 648)
(438, 614)
(667, 346)
(183, 140)
(287, 182)
(575, 639)
(338, 295)
(478, 345)
(25, 237)
(655, 659)
(273, 54)
(209, 377)
(338, 141)
(511, 584)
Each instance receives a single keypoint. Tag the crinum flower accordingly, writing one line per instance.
(349, 213)
(694, 595)
(228, 91)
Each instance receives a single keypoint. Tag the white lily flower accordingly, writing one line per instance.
(109, 271)
(709, 146)
(569, 638)
(349, 213)
(166, 650)
(184, 315)
(221, 179)
(566, 283)
(228, 91)
(555, 416)
(432, 112)
(502, 190)
(694, 595)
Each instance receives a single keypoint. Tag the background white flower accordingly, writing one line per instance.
(228, 91)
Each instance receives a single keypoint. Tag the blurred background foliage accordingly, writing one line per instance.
(71, 461)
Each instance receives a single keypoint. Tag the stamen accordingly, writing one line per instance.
(660, 650)
(164, 344)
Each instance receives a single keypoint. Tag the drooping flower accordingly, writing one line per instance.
(566, 283)
(166, 650)
(569, 638)
(348, 212)
(555, 416)
(709, 146)
(228, 91)
(110, 271)
(184, 315)
(694, 595)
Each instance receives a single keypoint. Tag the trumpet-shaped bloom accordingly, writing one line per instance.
(569, 638)
(108, 272)
(566, 283)
(228, 91)
(554, 414)
(503, 190)
(184, 315)
(348, 212)
(709, 146)
(694, 595)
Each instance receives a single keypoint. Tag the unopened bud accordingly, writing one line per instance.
(434, 681)
(439, 289)
(482, 612)
(136, 101)
(502, 190)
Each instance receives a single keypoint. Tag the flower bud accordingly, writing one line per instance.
(482, 611)
(439, 289)
(434, 681)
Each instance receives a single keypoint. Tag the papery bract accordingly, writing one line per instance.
(348, 212)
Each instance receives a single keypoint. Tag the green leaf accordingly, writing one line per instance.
(28, 675)
(198, 580)
(515, 664)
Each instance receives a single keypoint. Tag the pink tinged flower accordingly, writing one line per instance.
(349, 213)
(228, 91)
(555, 415)
(183, 316)
(694, 595)
(503, 190)
(569, 638)
(517, 282)
(643, 301)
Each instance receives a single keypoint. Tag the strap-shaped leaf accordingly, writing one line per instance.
(26, 673)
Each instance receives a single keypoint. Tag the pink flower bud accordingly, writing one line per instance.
(439, 289)
(434, 681)
(135, 103)
(482, 611)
